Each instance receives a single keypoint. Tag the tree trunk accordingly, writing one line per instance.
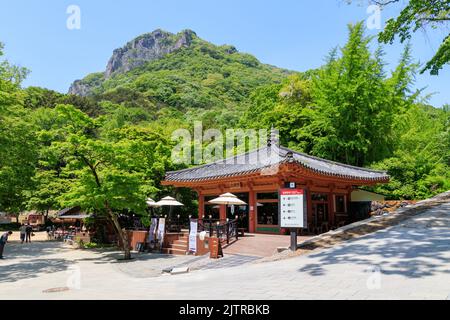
(122, 233)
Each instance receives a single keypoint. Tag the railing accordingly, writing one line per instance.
(176, 224)
(224, 230)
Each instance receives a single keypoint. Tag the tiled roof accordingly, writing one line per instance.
(265, 158)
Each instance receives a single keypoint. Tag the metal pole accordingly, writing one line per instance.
(293, 240)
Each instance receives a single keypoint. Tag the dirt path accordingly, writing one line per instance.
(38, 236)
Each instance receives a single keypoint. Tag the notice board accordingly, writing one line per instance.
(193, 236)
(215, 248)
(292, 208)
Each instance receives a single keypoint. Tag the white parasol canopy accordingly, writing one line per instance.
(151, 203)
(168, 201)
(228, 199)
(75, 216)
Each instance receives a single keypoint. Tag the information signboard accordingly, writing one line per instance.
(161, 229)
(292, 208)
(193, 236)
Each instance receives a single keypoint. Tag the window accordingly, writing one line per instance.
(340, 204)
(267, 196)
(268, 213)
(319, 197)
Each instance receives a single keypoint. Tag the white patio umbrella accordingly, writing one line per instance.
(228, 199)
(168, 201)
(151, 203)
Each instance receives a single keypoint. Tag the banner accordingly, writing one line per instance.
(193, 236)
(152, 231)
(161, 229)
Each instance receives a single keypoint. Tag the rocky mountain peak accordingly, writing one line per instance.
(147, 47)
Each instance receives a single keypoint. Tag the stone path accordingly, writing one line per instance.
(406, 261)
(261, 245)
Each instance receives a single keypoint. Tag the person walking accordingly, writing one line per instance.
(29, 231)
(23, 232)
(3, 241)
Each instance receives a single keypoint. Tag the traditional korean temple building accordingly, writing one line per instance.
(256, 177)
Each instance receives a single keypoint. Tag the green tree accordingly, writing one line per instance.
(105, 169)
(352, 114)
(420, 15)
(17, 145)
(420, 165)
(47, 187)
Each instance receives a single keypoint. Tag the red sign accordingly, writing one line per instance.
(290, 192)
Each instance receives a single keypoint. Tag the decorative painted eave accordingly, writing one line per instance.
(221, 170)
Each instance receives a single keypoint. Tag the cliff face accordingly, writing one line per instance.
(79, 88)
(143, 49)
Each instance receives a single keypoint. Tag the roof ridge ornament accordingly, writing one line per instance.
(274, 138)
(290, 156)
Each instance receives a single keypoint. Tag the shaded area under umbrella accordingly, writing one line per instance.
(170, 202)
(227, 199)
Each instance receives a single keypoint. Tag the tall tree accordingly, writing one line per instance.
(420, 164)
(419, 15)
(17, 146)
(104, 169)
(352, 116)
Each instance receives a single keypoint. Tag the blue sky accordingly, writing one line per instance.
(294, 34)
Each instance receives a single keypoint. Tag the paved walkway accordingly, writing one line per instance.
(38, 236)
(407, 261)
(261, 245)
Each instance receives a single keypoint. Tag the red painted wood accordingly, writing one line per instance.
(201, 206)
(223, 212)
(252, 218)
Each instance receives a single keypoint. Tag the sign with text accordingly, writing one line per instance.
(152, 231)
(161, 229)
(193, 236)
(292, 208)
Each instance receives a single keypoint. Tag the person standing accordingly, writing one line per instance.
(29, 230)
(23, 232)
(3, 241)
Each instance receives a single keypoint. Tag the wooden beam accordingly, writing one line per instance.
(201, 206)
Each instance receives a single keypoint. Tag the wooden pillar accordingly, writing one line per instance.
(223, 212)
(252, 214)
(331, 213)
(201, 206)
(347, 203)
(331, 204)
(309, 212)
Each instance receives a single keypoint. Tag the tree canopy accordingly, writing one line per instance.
(420, 15)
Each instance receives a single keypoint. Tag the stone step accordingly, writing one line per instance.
(179, 252)
(178, 246)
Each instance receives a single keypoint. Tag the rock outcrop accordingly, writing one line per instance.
(80, 88)
(145, 48)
